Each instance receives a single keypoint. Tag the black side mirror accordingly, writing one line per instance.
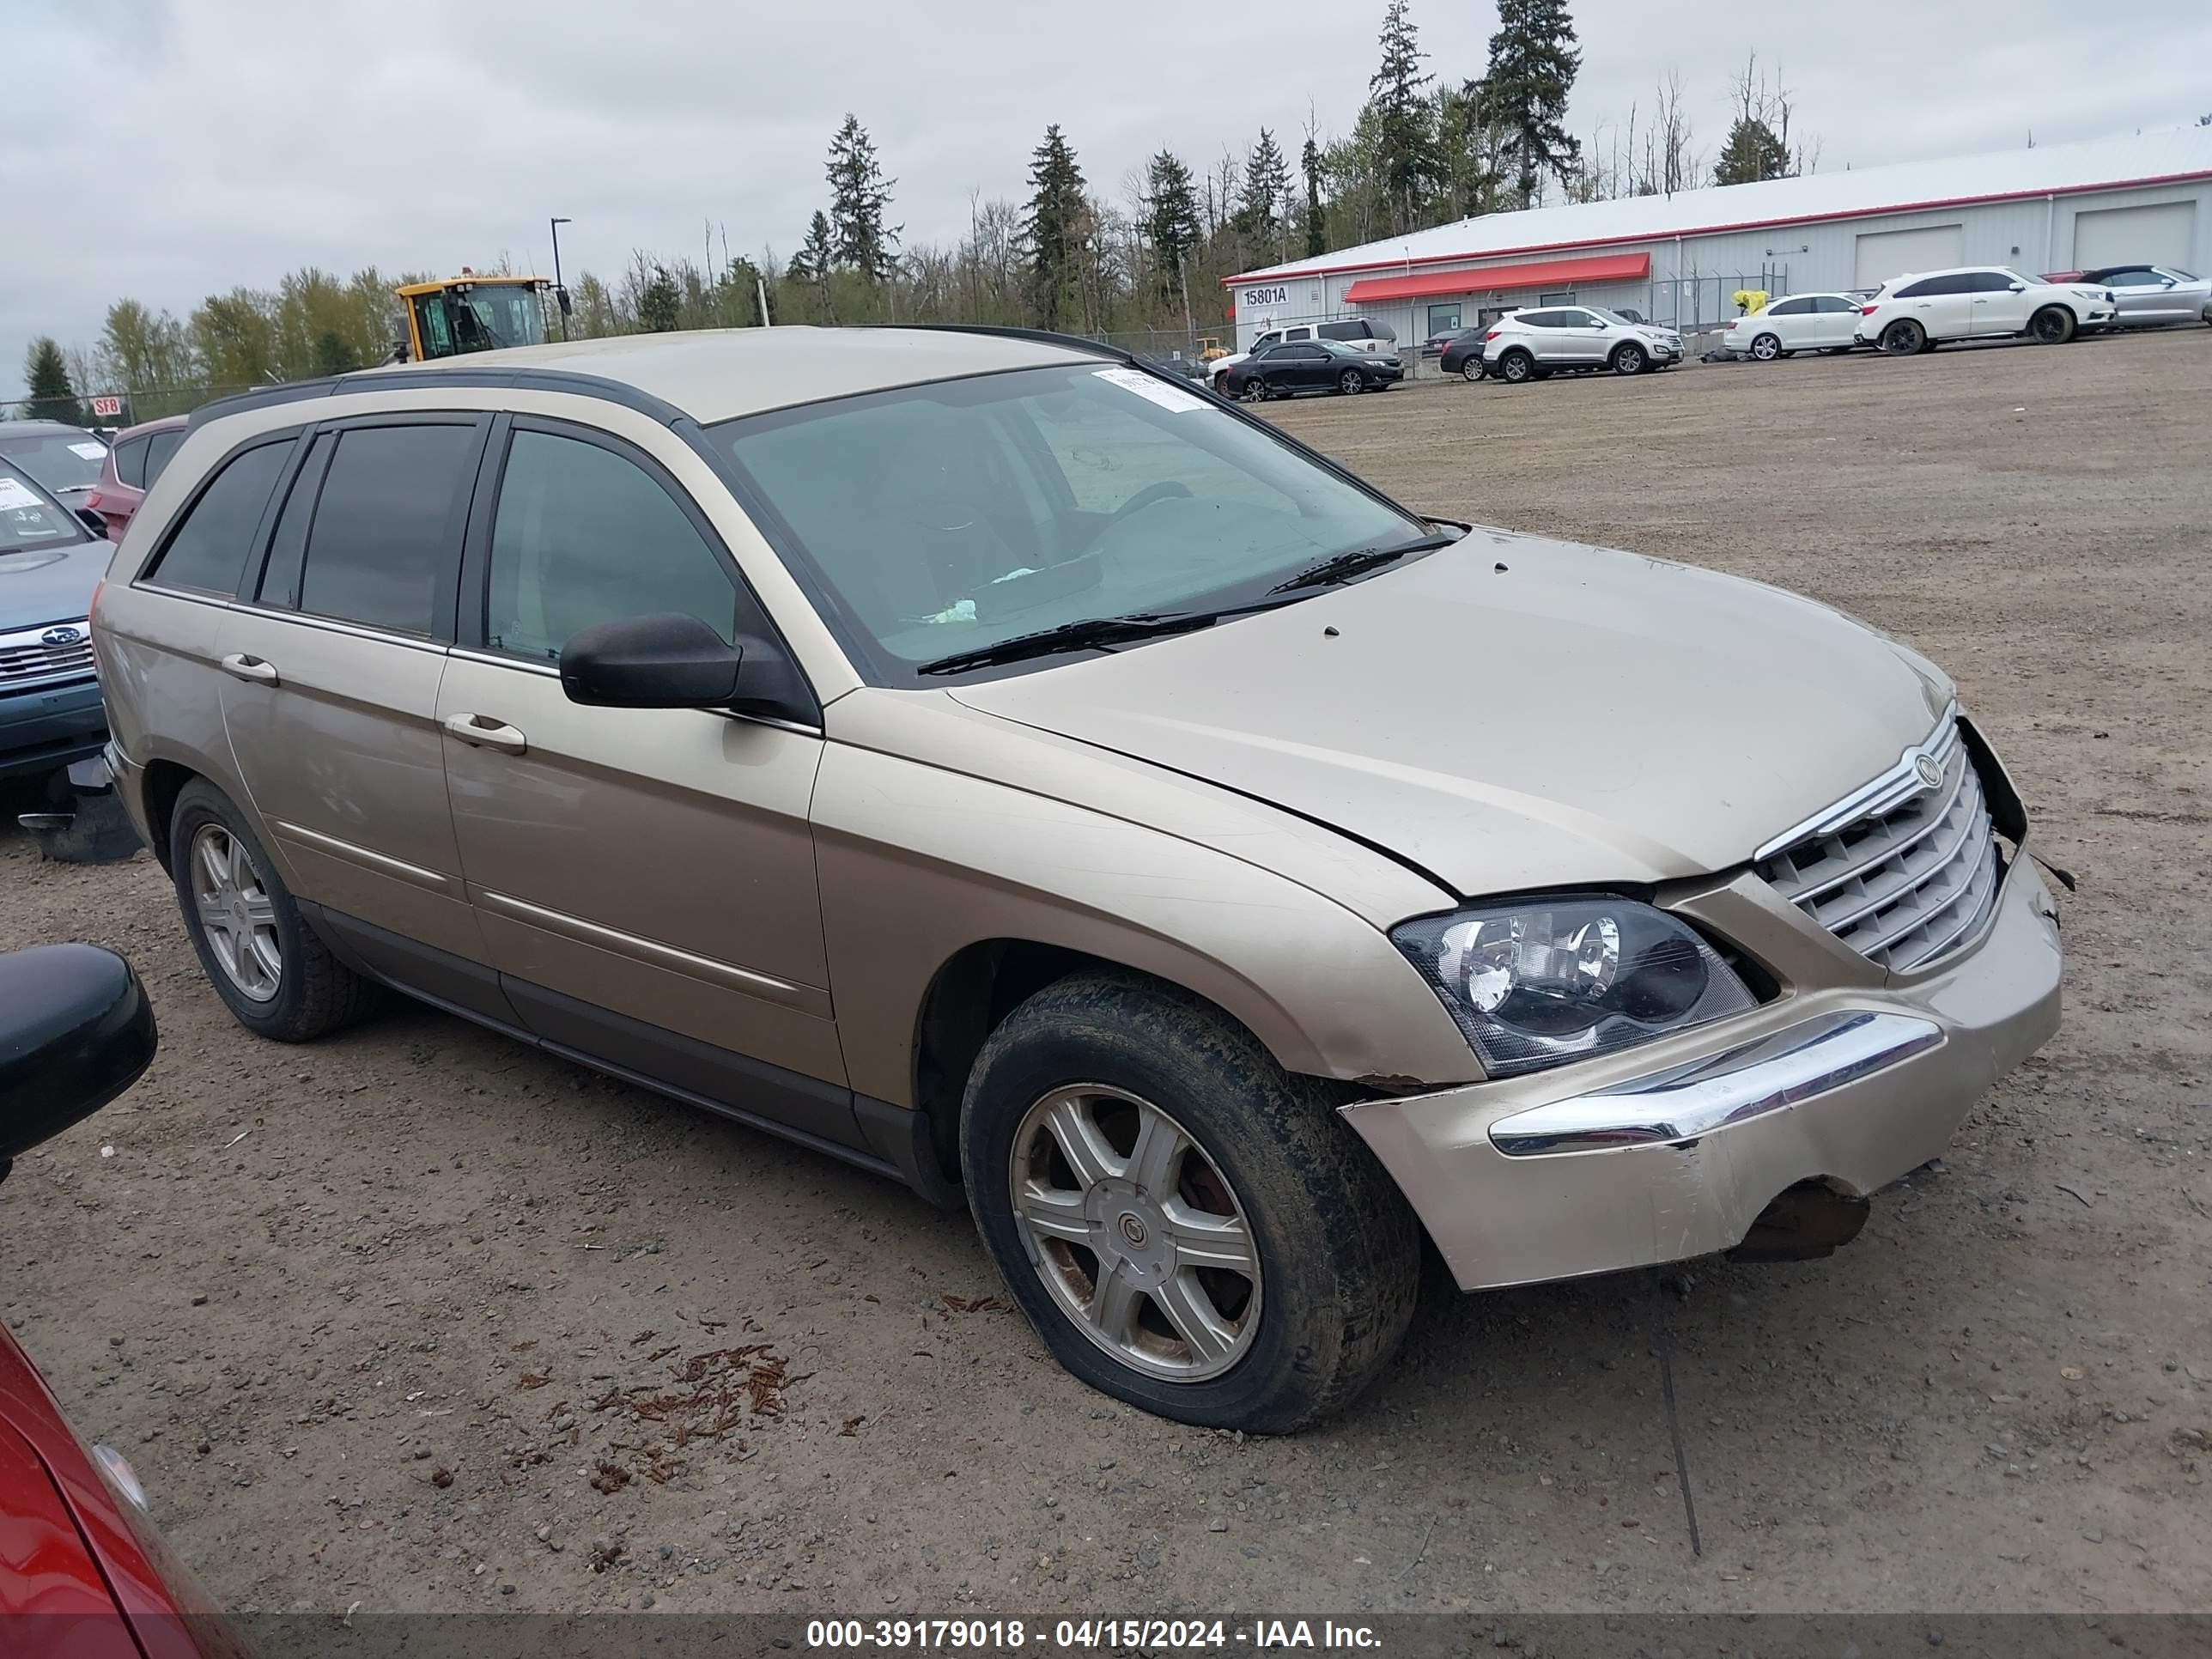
(75, 1031)
(665, 661)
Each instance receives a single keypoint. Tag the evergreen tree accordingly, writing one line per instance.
(659, 303)
(859, 194)
(1402, 119)
(52, 398)
(1533, 61)
(1266, 205)
(1170, 225)
(1053, 230)
(333, 355)
(817, 255)
(1753, 151)
(1317, 228)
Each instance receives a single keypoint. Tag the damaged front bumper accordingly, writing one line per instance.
(1673, 1151)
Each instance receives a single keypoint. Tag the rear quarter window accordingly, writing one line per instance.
(206, 553)
(131, 463)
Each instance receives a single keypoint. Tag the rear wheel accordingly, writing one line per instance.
(271, 971)
(1189, 1227)
(1254, 391)
(1628, 358)
(1514, 366)
(1766, 347)
(1472, 369)
(2052, 326)
(1349, 381)
(1903, 337)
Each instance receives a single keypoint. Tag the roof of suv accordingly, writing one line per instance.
(716, 374)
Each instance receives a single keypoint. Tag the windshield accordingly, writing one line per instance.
(31, 518)
(943, 518)
(60, 458)
(489, 316)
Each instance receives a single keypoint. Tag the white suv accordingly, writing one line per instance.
(1358, 333)
(1920, 311)
(1525, 345)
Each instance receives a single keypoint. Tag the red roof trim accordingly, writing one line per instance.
(1546, 273)
(1723, 230)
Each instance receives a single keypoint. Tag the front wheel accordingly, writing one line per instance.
(1629, 359)
(1349, 381)
(1766, 347)
(1189, 1227)
(2052, 326)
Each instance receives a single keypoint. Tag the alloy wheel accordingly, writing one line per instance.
(236, 912)
(1135, 1232)
(1766, 347)
(1350, 382)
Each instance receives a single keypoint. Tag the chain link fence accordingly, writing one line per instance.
(130, 408)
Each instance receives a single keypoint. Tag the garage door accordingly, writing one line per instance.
(2162, 235)
(1887, 253)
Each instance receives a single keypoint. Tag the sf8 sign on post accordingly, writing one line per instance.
(107, 408)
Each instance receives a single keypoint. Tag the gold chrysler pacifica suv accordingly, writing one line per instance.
(976, 757)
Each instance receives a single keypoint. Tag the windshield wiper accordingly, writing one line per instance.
(1344, 566)
(1088, 633)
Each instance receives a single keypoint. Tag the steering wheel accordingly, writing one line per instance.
(1167, 489)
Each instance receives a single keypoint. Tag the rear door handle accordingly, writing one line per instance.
(484, 732)
(241, 666)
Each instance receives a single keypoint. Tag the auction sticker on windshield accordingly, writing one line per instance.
(1158, 391)
(90, 451)
(14, 496)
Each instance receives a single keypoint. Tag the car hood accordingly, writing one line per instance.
(1514, 712)
(49, 584)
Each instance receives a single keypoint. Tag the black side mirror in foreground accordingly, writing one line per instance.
(670, 661)
(75, 1031)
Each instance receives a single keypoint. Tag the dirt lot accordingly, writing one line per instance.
(418, 1319)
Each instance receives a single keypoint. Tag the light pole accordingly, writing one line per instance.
(560, 293)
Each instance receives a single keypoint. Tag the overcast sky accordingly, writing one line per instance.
(169, 148)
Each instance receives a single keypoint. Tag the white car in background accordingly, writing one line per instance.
(1797, 322)
(1359, 333)
(1531, 344)
(1922, 311)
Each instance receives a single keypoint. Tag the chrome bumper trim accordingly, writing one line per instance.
(1682, 1105)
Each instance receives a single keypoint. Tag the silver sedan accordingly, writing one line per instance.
(2149, 295)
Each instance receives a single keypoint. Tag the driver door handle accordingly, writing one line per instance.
(239, 666)
(482, 732)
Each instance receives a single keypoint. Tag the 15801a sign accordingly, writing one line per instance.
(1266, 296)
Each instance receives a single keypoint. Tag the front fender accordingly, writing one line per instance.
(916, 862)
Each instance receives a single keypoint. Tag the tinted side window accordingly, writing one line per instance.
(207, 551)
(280, 579)
(1991, 282)
(1352, 331)
(1789, 308)
(159, 448)
(1931, 287)
(388, 529)
(585, 536)
(131, 463)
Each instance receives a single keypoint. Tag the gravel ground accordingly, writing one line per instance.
(418, 1319)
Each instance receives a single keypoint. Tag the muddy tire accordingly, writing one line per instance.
(1062, 1132)
(281, 982)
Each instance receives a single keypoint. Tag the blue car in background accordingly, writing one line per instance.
(50, 561)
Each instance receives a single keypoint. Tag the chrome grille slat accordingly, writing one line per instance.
(1894, 845)
(1899, 871)
(40, 662)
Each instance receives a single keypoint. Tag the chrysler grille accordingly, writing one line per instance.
(1901, 882)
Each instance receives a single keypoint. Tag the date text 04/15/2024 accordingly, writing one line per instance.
(1005, 1635)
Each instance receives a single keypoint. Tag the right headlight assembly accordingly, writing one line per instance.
(1538, 982)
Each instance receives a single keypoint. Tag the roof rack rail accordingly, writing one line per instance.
(526, 379)
(1008, 332)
